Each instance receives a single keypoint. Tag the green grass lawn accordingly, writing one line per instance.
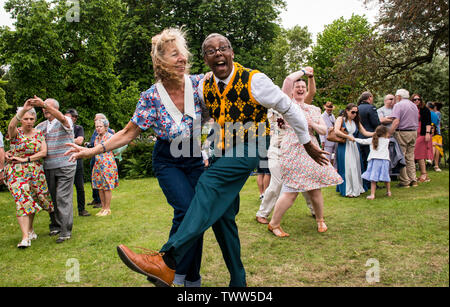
(407, 234)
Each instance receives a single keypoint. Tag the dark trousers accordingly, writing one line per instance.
(216, 204)
(177, 178)
(79, 186)
(95, 194)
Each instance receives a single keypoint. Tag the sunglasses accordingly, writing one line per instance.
(354, 112)
(417, 99)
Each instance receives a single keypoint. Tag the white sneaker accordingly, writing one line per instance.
(32, 235)
(24, 243)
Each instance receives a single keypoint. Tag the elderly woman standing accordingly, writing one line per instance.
(25, 175)
(105, 176)
(170, 108)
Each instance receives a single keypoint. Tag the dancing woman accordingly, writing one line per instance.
(300, 173)
(170, 108)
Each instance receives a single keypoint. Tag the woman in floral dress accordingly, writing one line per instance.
(299, 172)
(105, 175)
(25, 175)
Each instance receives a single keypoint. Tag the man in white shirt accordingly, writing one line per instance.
(239, 95)
(384, 113)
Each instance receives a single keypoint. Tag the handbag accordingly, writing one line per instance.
(332, 137)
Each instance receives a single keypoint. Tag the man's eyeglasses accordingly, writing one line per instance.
(213, 51)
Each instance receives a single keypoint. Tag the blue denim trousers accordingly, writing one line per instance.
(178, 178)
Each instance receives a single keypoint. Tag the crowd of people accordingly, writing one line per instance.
(39, 175)
(355, 152)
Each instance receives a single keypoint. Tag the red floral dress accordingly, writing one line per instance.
(26, 181)
(105, 175)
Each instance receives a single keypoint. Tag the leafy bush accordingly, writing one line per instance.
(137, 160)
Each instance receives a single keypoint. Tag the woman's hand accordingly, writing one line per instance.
(28, 105)
(77, 152)
(309, 71)
(351, 138)
(20, 160)
(8, 156)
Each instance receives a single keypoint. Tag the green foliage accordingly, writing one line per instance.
(253, 28)
(137, 159)
(50, 55)
(289, 53)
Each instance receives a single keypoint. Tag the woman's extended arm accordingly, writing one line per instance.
(365, 132)
(321, 128)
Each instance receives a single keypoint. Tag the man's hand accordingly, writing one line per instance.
(316, 153)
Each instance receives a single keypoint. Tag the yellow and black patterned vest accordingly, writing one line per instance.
(236, 105)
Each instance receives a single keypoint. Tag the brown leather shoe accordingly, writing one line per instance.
(151, 265)
(262, 220)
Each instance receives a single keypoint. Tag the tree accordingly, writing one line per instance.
(406, 35)
(289, 53)
(71, 60)
(326, 55)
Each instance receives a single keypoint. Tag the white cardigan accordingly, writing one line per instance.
(381, 153)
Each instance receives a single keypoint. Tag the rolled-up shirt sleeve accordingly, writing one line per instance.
(269, 96)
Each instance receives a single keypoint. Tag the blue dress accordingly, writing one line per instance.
(349, 164)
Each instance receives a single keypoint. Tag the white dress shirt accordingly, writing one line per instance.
(267, 94)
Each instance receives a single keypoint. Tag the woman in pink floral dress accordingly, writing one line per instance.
(299, 172)
(105, 175)
(25, 175)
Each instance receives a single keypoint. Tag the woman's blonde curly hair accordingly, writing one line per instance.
(169, 37)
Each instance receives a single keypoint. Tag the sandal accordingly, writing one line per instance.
(437, 169)
(370, 197)
(281, 233)
(105, 212)
(321, 226)
(388, 194)
(24, 243)
(424, 178)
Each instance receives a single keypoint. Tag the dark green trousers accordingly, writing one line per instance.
(216, 204)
